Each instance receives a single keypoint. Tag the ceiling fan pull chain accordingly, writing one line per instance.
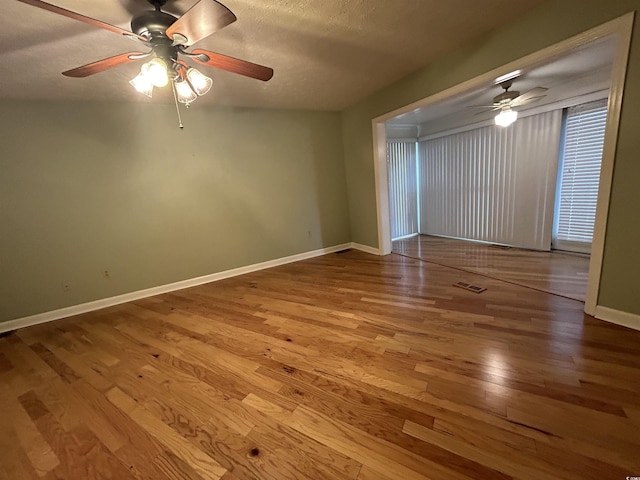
(175, 99)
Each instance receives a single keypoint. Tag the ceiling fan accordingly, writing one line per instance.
(507, 100)
(168, 37)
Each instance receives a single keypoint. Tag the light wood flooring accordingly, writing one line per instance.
(555, 272)
(347, 366)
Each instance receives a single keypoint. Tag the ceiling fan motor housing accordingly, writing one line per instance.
(152, 24)
(505, 97)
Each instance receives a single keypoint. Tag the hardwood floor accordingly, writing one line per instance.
(347, 366)
(555, 272)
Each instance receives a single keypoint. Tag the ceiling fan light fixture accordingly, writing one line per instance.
(184, 92)
(156, 72)
(142, 84)
(201, 83)
(506, 117)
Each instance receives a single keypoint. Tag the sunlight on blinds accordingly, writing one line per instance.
(492, 184)
(580, 176)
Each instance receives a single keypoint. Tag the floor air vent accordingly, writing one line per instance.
(468, 286)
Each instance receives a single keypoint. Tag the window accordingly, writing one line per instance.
(579, 176)
(403, 193)
(492, 184)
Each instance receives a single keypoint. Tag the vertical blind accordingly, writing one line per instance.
(492, 184)
(579, 176)
(403, 192)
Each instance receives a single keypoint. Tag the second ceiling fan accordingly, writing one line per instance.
(507, 100)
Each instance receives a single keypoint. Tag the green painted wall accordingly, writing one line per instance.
(553, 21)
(91, 187)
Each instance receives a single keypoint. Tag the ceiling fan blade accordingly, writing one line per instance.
(81, 18)
(200, 21)
(535, 93)
(527, 101)
(487, 110)
(231, 64)
(105, 64)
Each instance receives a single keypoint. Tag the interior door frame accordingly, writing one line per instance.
(621, 29)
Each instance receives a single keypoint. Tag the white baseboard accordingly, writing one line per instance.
(618, 317)
(365, 248)
(630, 320)
(171, 287)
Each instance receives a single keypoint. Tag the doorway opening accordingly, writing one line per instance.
(613, 37)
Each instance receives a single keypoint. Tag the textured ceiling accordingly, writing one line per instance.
(327, 54)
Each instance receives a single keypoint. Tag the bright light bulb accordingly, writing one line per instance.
(200, 83)
(156, 72)
(142, 84)
(184, 92)
(506, 117)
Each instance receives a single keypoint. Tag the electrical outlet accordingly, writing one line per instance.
(105, 273)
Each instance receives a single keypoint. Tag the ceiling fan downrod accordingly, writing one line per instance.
(175, 100)
(157, 4)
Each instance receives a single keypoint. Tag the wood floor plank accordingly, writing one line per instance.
(500, 462)
(37, 449)
(556, 272)
(229, 449)
(15, 461)
(380, 455)
(202, 463)
(342, 367)
(311, 457)
(26, 362)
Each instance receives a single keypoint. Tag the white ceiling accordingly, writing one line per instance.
(580, 72)
(327, 54)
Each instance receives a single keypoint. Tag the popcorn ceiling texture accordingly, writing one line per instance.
(327, 54)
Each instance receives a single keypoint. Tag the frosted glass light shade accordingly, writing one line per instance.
(506, 117)
(142, 84)
(184, 92)
(200, 82)
(156, 72)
